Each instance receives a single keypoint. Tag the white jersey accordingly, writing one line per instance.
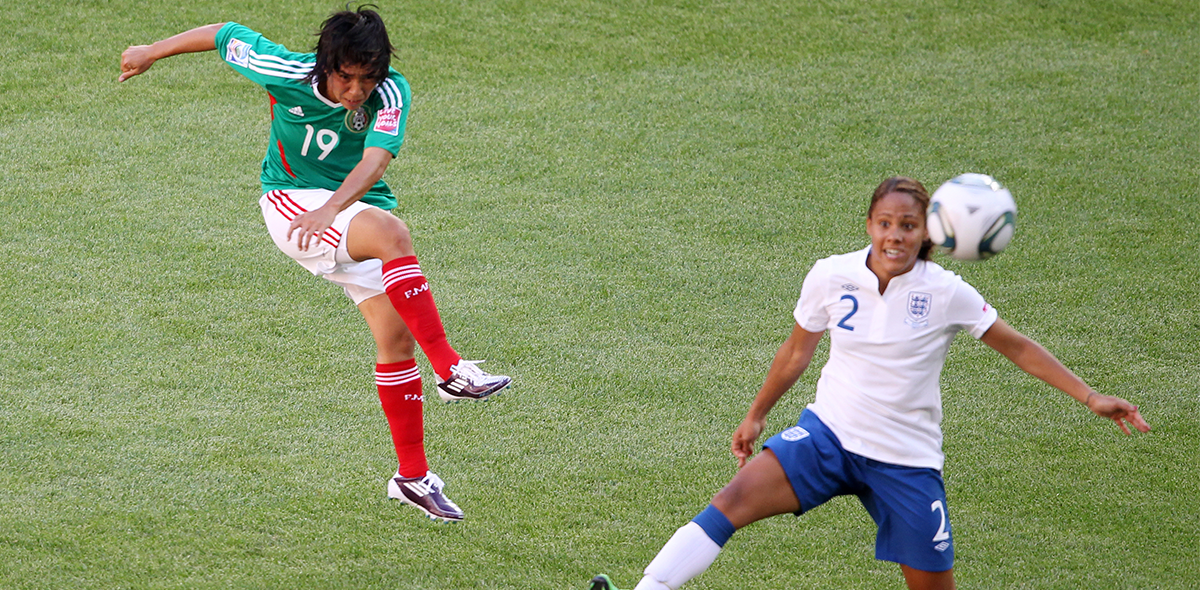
(879, 392)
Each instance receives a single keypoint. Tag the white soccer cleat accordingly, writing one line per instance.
(468, 382)
(426, 493)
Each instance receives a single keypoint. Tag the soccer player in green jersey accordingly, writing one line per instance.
(338, 117)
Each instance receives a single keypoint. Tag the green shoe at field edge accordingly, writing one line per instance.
(601, 582)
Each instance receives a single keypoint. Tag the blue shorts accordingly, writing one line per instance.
(908, 504)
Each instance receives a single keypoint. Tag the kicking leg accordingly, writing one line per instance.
(375, 233)
(759, 490)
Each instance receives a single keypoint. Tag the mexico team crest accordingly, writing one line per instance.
(356, 121)
(919, 306)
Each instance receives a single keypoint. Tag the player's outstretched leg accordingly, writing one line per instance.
(427, 494)
(688, 552)
(409, 293)
(374, 233)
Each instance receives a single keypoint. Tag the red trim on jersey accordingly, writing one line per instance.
(283, 159)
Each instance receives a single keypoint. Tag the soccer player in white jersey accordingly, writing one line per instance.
(873, 430)
(338, 117)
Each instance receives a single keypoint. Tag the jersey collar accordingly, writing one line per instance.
(321, 97)
(897, 283)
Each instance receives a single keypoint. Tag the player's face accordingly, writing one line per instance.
(350, 86)
(897, 229)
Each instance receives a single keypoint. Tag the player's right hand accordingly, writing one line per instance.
(310, 226)
(743, 440)
(135, 60)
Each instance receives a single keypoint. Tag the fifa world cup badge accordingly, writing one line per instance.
(238, 53)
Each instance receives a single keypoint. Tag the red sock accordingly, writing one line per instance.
(410, 295)
(400, 393)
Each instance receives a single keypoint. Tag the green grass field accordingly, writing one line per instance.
(616, 203)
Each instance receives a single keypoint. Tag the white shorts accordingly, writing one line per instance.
(328, 257)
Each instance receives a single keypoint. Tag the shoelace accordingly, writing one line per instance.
(434, 482)
(469, 371)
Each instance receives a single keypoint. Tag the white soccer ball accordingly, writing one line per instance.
(971, 217)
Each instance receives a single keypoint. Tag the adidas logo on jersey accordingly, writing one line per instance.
(299, 112)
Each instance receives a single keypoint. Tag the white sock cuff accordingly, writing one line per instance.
(686, 555)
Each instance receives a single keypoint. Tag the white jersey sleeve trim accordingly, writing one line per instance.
(390, 93)
(291, 70)
(296, 65)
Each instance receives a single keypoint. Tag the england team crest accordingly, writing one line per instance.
(794, 434)
(919, 306)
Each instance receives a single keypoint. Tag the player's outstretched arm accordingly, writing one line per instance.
(790, 362)
(1037, 361)
(138, 58)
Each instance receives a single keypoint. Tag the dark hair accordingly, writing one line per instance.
(354, 38)
(908, 186)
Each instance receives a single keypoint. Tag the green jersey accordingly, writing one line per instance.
(315, 142)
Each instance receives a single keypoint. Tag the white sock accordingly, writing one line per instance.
(649, 583)
(689, 552)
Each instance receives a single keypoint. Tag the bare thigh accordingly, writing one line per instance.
(923, 580)
(760, 490)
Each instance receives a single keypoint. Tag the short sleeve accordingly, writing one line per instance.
(261, 60)
(811, 313)
(969, 311)
(387, 131)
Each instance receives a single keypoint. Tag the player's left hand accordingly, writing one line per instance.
(1118, 410)
(309, 226)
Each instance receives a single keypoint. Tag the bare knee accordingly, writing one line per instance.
(731, 496)
(760, 490)
(394, 239)
(375, 233)
(399, 238)
(393, 342)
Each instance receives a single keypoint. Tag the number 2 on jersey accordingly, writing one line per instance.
(853, 310)
(326, 141)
